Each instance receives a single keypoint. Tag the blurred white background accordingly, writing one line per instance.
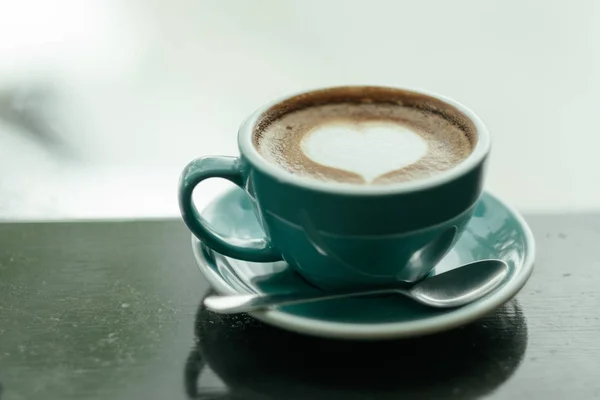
(129, 91)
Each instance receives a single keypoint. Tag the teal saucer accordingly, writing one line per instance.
(495, 231)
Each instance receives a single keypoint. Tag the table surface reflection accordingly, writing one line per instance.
(97, 310)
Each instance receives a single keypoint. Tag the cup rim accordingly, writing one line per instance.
(478, 154)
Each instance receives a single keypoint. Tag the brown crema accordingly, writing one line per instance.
(449, 134)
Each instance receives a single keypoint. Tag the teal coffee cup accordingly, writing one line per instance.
(345, 234)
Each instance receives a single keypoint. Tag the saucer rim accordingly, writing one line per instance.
(391, 330)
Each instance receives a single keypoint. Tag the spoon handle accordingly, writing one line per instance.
(236, 303)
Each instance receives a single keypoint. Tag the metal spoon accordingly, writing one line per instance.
(454, 288)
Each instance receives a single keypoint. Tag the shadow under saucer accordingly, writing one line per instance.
(258, 361)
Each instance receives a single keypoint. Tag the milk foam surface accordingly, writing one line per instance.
(369, 149)
(363, 143)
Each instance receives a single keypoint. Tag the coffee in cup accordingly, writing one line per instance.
(364, 138)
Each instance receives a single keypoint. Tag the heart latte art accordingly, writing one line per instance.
(369, 149)
(363, 143)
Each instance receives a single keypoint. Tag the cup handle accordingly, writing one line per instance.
(255, 250)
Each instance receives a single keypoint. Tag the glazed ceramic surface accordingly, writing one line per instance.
(495, 231)
(339, 234)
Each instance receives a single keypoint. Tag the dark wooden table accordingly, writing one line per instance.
(110, 310)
